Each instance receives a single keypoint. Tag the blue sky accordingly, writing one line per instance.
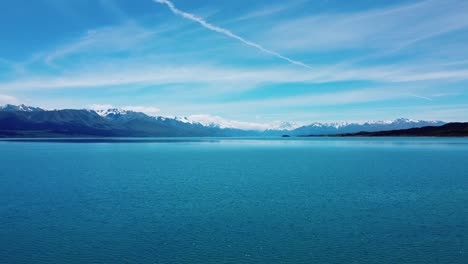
(253, 61)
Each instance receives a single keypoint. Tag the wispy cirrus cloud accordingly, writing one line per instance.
(228, 33)
(267, 11)
(133, 74)
(261, 13)
(387, 28)
(102, 41)
(355, 96)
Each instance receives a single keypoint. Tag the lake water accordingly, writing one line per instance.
(311, 200)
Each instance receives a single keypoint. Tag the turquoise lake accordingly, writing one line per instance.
(295, 200)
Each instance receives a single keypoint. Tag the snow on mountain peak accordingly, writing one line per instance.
(369, 126)
(295, 128)
(21, 107)
(111, 112)
(106, 110)
(220, 122)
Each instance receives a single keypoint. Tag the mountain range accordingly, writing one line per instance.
(27, 121)
(345, 127)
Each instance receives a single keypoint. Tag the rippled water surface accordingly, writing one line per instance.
(310, 200)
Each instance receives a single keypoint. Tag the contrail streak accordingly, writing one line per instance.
(421, 97)
(227, 33)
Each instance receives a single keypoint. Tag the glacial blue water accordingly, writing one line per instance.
(311, 200)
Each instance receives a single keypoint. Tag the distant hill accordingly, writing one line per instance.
(447, 130)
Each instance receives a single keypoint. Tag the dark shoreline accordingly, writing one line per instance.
(447, 130)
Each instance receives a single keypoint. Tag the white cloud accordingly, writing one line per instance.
(149, 110)
(389, 28)
(213, 120)
(101, 106)
(210, 120)
(8, 99)
(231, 77)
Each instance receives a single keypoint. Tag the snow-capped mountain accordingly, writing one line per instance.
(280, 128)
(116, 114)
(22, 108)
(111, 112)
(316, 128)
(220, 122)
(118, 122)
(287, 126)
(370, 126)
(22, 121)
